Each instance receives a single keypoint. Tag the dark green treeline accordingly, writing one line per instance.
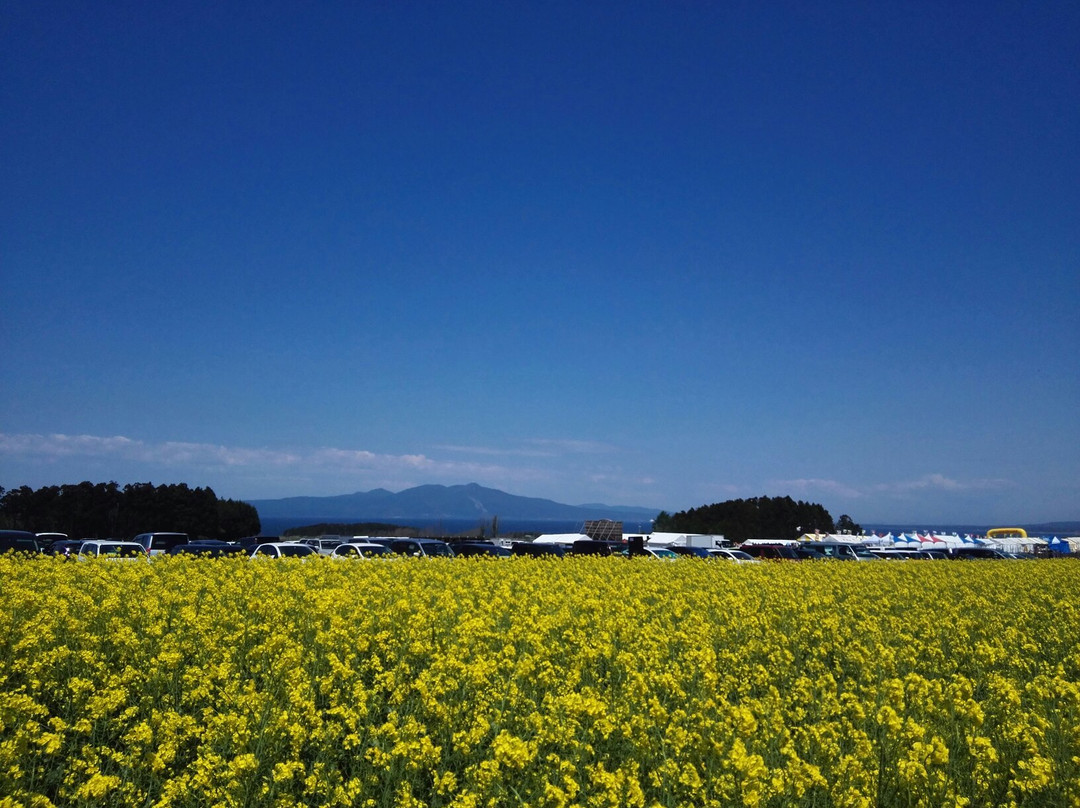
(754, 518)
(105, 510)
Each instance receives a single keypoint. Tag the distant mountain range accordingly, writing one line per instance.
(470, 501)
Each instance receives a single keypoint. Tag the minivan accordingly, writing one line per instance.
(19, 541)
(420, 547)
(160, 543)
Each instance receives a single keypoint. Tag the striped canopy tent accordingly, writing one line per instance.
(950, 540)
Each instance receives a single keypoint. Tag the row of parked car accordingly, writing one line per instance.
(839, 551)
(147, 544)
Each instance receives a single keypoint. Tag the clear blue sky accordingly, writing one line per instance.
(658, 254)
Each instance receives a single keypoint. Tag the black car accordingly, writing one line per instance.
(976, 554)
(18, 541)
(68, 548)
(592, 547)
(692, 552)
(208, 547)
(420, 548)
(771, 552)
(249, 543)
(528, 548)
(478, 548)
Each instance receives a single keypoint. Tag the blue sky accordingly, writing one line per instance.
(660, 254)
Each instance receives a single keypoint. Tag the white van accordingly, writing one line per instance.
(113, 550)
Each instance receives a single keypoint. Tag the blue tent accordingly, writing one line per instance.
(1056, 545)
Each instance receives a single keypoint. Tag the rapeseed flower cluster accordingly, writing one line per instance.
(589, 682)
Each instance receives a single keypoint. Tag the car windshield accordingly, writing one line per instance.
(662, 553)
(298, 550)
(739, 554)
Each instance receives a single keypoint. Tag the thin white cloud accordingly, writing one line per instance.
(900, 488)
(535, 447)
(818, 486)
(559, 446)
(490, 451)
(346, 467)
(940, 482)
(169, 453)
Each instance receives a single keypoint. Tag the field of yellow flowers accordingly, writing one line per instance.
(583, 682)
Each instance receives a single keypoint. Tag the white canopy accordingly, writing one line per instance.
(559, 538)
(665, 539)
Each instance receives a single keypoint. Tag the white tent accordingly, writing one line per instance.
(1015, 544)
(665, 539)
(839, 538)
(560, 538)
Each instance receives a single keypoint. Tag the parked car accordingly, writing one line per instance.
(420, 548)
(283, 549)
(690, 552)
(160, 543)
(47, 540)
(68, 548)
(662, 553)
(591, 547)
(360, 549)
(533, 550)
(479, 548)
(111, 549)
(731, 554)
(18, 541)
(892, 554)
(249, 543)
(771, 552)
(841, 551)
(207, 547)
(324, 545)
(976, 554)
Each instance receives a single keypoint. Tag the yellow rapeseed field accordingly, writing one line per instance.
(582, 682)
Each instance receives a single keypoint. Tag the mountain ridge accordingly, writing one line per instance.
(431, 501)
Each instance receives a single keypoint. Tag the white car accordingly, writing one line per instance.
(361, 549)
(112, 550)
(283, 549)
(323, 546)
(738, 556)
